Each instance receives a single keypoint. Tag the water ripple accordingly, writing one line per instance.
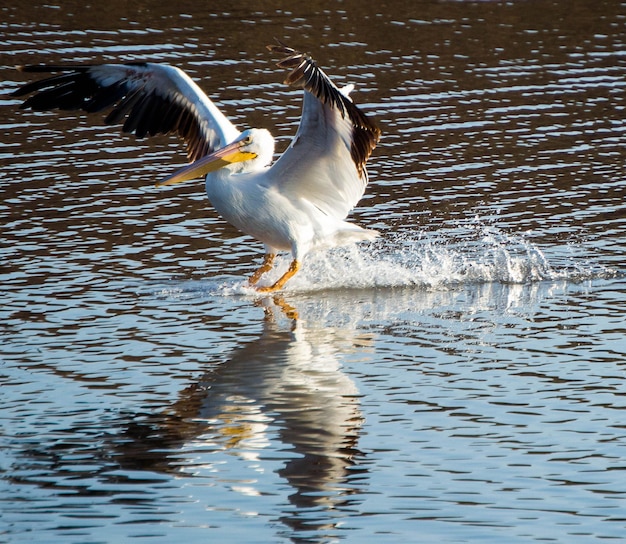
(459, 379)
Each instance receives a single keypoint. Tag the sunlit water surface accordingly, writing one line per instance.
(461, 379)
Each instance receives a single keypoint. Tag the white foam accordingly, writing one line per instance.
(430, 262)
(433, 260)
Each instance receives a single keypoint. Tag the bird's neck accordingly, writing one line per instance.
(224, 191)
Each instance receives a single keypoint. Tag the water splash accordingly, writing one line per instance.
(428, 260)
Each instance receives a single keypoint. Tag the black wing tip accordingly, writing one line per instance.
(28, 88)
(280, 47)
(143, 111)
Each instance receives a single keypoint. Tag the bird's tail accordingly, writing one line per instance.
(351, 234)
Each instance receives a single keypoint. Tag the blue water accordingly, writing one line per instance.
(460, 379)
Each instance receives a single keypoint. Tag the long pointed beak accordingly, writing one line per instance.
(216, 160)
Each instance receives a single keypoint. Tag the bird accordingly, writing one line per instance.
(298, 203)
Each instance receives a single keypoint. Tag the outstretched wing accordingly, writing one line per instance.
(325, 162)
(149, 98)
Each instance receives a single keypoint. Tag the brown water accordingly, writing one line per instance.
(459, 380)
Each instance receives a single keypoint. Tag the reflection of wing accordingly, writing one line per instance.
(150, 98)
(333, 141)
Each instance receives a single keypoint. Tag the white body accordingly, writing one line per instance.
(297, 204)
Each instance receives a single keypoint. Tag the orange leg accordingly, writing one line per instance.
(293, 268)
(268, 262)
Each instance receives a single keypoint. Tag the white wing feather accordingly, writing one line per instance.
(325, 162)
(317, 165)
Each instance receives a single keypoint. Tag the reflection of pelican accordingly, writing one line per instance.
(298, 204)
(286, 385)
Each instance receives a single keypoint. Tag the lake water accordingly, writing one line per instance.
(459, 380)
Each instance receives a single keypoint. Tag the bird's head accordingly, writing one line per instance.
(251, 151)
(258, 142)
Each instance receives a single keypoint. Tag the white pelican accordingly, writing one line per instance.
(297, 204)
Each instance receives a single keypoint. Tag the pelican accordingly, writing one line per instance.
(297, 204)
